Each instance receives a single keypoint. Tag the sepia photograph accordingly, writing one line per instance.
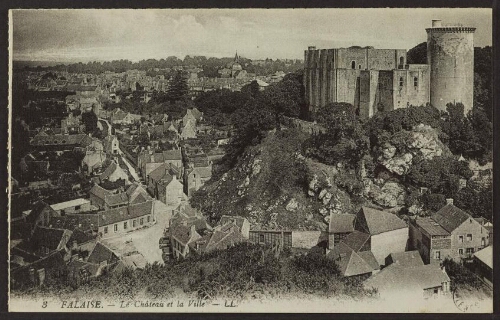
(251, 160)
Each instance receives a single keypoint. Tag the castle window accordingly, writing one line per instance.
(359, 67)
(415, 82)
(353, 64)
(401, 81)
(401, 62)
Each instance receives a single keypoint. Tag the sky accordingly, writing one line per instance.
(72, 35)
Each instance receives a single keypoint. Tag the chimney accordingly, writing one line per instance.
(193, 230)
(449, 201)
(436, 23)
(174, 177)
(311, 48)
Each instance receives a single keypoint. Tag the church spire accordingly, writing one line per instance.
(236, 58)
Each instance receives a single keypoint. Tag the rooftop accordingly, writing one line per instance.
(69, 204)
(431, 227)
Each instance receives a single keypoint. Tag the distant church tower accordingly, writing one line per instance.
(450, 54)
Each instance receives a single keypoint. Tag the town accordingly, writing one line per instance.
(118, 171)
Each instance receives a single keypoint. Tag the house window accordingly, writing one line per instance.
(134, 223)
(105, 230)
(115, 227)
(353, 64)
(125, 225)
(469, 237)
(77, 207)
(415, 82)
(483, 241)
(142, 221)
(401, 81)
(460, 251)
(149, 218)
(436, 291)
(437, 255)
(261, 238)
(470, 251)
(460, 239)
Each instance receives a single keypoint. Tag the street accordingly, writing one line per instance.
(146, 240)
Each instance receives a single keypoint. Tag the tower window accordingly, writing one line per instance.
(401, 62)
(415, 82)
(359, 67)
(401, 81)
(353, 64)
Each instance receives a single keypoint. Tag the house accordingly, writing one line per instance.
(45, 241)
(107, 199)
(483, 265)
(111, 145)
(125, 219)
(113, 173)
(196, 178)
(147, 161)
(101, 254)
(340, 226)
(352, 263)
(417, 281)
(181, 236)
(164, 184)
(450, 232)
(241, 222)
(71, 124)
(93, 161)
(72, 206)
(60, 142)
(35, 273)
(405, 259)
(158, 118)
(388, 234)
(221, 238)
(192, 115)
(39, 215)
(188, 130)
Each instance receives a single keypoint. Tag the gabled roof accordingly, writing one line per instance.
(109, 170)
(224, 237)
(431, 227)
(101, 253)
(50, 238)
(341, 223)
(379, 221)
(164, 172)
(38, 208)
(202, 172)
(237, 220)
(450, 217)
(356, 240)
(80, 237)
(407, 259)
(396, 278)
(100, 192)
(116, 199)
(84, 222)
(351, 263)
(62, 139)
(486, 256)
(181, 233)
(132, 211)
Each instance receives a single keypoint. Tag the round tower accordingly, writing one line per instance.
(450, 55)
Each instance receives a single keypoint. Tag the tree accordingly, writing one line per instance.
(178, 88)
(89, 119)
(344, 140)
(417, 54)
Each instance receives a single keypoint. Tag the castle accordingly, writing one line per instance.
(380, 79)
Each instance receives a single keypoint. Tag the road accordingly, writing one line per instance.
(109, 125)
(130, 167)
(146, 240)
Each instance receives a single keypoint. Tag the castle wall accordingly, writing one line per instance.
(450, 54)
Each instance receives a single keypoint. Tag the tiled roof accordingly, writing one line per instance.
(109, 171)
(396, 278)
(486, 256)
(239, 221)
(124, 213)
(164, 172)
(69, 204)
(101, 253)
(94, 158)
(80, 237)
(203, 172)
(82, 221)
(181, 233)
(380, 221)
(100, 192)
(450, 217)
(172, 155)
(407, 259)
(356, 240)
(62, 139)
(50, 238)
(223, 238)
(351, 263)
(431, 227)
(116, 199)
(37, 209)
(341, 223)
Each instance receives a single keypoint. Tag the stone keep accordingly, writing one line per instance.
(375, 79)
(450, 54)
